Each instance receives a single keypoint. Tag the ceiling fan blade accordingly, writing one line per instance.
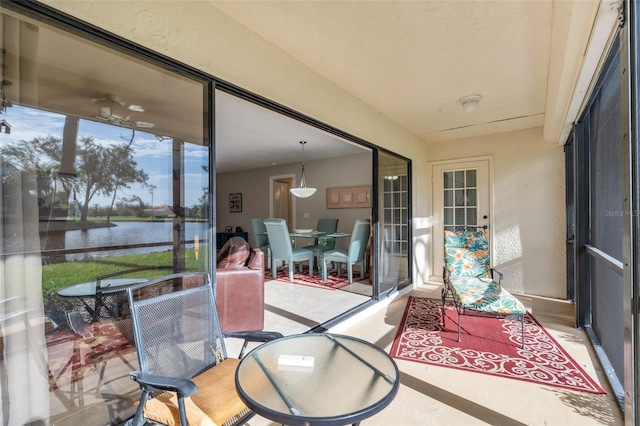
(144, 124)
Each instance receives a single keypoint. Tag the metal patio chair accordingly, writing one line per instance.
(185, 375)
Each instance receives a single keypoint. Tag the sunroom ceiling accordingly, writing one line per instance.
(414, 60)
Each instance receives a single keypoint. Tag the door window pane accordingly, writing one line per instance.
(471, 198)
(448, 198)
(472, 216)
(448, 216)
(465, 199)
(471, 178)
(448, 179)
(459, 179)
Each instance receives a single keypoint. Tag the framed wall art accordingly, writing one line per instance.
(235, 202)
(349, 197)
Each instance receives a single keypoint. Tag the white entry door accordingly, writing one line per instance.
(280, 205)
(461, 198)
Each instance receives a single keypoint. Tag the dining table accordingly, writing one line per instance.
(323, 239)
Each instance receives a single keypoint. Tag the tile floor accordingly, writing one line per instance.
(428, 395)
(432, 395)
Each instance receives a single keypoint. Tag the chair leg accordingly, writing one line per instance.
(459, 316)
(324, 270)
(181, 409)
(350, 272)
(273, 268)
(522, 324)
(139, 420)
(311, 266)
(292, 266)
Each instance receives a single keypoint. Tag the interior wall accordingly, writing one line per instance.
(528, 190)
(353, 170)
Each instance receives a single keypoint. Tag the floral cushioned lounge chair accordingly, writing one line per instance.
(469, 278)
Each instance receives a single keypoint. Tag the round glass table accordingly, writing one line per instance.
(317, 379)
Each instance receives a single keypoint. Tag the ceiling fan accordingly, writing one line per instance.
(106, 112)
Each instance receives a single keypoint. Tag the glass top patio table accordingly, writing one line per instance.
(350, 380)
(88, 289)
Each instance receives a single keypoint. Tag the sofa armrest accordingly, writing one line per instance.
(256, 259)
(240, 295)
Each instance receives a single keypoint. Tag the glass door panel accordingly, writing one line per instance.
(95, 196)
(394, 230)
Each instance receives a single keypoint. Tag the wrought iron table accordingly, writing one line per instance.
(89, 291)
(350, 380)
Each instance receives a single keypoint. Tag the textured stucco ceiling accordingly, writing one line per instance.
(413, 61)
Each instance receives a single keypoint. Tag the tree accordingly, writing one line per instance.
(42, 158)
(123, 170)
(99, 169)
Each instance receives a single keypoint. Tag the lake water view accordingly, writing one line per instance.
(124, 233)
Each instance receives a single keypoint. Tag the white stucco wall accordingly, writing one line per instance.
(352, 170)
(528, 190)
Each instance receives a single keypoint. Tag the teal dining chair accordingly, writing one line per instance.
(282, 249)
(260, 237)
(355, 253)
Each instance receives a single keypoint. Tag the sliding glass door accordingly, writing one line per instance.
(393, 226)
(105, 183)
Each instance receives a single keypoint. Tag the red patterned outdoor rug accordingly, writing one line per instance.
(72, 358)
(487, 345)
(333, 282)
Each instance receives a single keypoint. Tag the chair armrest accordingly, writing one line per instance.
(254, 336)
(499, 275)
(446, 273)
(151, 382)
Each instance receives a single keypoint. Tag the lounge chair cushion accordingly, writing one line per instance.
(215, 402)
(484, 294)
(467, 254)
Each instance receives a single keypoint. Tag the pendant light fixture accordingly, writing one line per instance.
(303, 191)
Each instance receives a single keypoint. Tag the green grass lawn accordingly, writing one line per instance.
(60, 275)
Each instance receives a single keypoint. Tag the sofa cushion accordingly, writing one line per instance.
(234, 253)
